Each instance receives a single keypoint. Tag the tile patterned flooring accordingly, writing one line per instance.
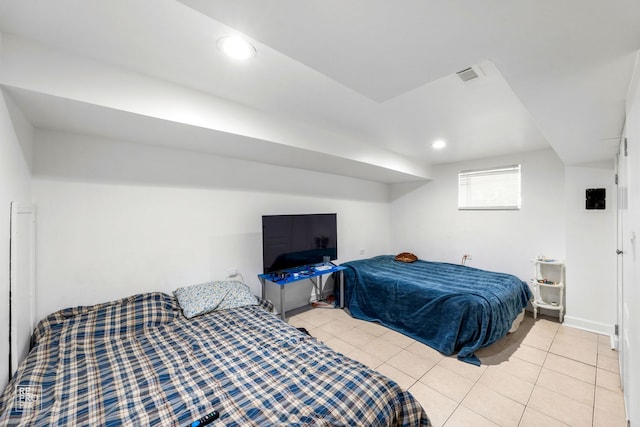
(545, 374)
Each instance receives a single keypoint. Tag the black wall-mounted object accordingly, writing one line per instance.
(595, 198)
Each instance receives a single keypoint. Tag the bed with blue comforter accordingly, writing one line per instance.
(452, 308)
(139, 361)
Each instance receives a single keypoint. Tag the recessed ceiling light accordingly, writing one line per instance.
(439, 144)
(236, 47)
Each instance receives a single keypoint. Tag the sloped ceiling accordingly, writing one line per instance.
(368, 83)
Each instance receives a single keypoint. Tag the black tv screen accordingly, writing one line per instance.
(295, 240)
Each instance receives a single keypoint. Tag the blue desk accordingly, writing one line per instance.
(292, 275)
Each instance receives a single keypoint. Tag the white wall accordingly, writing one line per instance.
(118, 218)
(425, 219)
(15, 183)
(552, 221)
(591, 246)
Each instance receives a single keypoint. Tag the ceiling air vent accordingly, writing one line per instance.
(467, 74)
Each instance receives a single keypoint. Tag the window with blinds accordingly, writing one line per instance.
(496, 188)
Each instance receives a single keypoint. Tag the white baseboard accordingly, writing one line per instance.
(588, 325)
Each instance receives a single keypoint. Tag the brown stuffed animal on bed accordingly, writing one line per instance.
(406, 257)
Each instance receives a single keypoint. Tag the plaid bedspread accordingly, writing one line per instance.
(139, 361)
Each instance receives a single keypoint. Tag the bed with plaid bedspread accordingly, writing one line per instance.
(139, 361)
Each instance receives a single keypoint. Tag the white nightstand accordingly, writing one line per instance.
(548, 285)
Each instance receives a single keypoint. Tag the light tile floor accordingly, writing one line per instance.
(545, 374)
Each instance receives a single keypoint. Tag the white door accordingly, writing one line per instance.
(22, 282)
(624, 273)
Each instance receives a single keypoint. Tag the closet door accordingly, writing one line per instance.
(22, 279)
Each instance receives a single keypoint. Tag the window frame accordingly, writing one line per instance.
(507, 205)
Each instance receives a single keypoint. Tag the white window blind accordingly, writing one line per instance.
(496, 188)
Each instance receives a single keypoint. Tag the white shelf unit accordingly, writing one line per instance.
(548, 285)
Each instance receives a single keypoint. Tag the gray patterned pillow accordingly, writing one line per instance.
(206, 297)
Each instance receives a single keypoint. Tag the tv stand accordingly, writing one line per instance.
(292, 275)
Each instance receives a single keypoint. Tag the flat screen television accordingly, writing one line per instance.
(290, 241)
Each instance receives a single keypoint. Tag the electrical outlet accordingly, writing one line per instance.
(232, 272)
(363, 252)
(469, 257)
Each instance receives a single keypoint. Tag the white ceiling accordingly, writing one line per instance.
(371, 78)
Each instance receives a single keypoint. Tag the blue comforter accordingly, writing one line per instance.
(452, 308)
